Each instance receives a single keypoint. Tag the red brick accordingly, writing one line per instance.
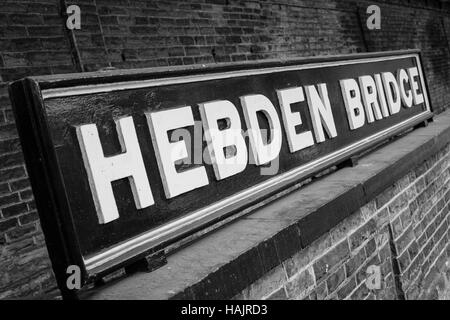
(4, 188)
(12, 173)
(319, 292)
(335, 279)
(7, 224)
(20, 184)
(20, 232)
(9, 199)
(346, 289)
(399, 204)
(10, 145)
(355, 262)
(14, 210)
(326, 263)
(298, 286)
(362, 234)
(28, 218)
(11, 160)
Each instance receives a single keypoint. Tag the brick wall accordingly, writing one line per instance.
(405, 231)
(146, 33)
(32, 42)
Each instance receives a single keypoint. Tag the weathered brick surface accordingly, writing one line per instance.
(138, 33)
(393, 230)
(33, 41)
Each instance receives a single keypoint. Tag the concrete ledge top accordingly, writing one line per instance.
(224, 262)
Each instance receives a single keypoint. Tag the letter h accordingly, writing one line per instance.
(103, 170)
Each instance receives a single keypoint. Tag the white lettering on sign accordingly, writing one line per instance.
(320, 111)
(167, 153)
(381, 95)
(224, 165)
(418, 96)
(262, 153)
(368, 98)
(392, 92)
(103, 170)
(402, 78)
(352, 101)
(286, 98)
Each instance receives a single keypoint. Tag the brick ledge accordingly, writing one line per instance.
(254, 244)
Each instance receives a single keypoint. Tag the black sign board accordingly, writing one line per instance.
(124, 163)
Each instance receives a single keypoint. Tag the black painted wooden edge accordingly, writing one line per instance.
(46, 186)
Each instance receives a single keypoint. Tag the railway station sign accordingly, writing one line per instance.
(124, 163)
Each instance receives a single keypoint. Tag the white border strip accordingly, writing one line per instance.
(129, 85)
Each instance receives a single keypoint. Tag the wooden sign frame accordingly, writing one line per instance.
(30, 95)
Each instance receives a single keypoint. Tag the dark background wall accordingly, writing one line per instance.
(145, 33)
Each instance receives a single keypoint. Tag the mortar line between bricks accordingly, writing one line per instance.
(354, 275)
(10, 137)
(386, 205)
(438, 190)
(350, 233)
(344, 239)
(363, 244)
(12, 203)
(11, 153)
(304, 268)
(423, 232)
(431, 238)
(426, 214)
(428, 256)
(346, 282)
(266, 296)
(282, 285)
(359, 269)
(312, 262)
(25, 176)
(25, 281)
(437, 214)
(398, 216)
(422, 220)
(311, 265)
(411, 263)
(437, 258)
(13, 167)
(443, 158)
(412, 281)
